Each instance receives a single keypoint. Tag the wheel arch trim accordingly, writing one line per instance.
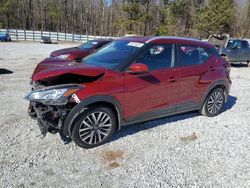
(215, 85)
(79, 108)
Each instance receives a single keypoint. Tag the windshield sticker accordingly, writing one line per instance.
(135, 44)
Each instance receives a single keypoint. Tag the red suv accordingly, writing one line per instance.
(133, 79)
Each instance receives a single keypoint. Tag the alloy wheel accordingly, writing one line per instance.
(215, 102)
(95, 128)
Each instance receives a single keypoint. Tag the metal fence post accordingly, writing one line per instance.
(24, 34)
(57, 36)
(16, 35)
(73, 37)
(33, 36)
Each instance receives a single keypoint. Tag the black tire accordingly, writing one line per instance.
(94, 135)
(212, 108)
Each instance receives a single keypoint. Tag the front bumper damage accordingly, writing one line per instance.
(50, 118)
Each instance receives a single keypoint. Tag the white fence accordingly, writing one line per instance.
(30, 35)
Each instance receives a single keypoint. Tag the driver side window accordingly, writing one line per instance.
(158, 57)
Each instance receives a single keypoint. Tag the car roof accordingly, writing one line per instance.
(167, 39)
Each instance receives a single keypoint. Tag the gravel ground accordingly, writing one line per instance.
(185, 150)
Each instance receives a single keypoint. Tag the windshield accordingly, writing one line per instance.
(232, 43)
(113, 54)
(88, 45)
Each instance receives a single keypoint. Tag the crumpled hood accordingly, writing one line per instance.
(52, 68)
(66, 51)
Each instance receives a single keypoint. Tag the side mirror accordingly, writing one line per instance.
(138, 68)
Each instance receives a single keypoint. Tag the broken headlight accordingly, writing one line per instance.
(53, 95)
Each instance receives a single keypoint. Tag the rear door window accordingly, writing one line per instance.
(193, 55)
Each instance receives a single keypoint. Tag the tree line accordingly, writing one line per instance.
(196, 18)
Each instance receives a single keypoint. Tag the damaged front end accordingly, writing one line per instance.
(51, 105)
(54, 92)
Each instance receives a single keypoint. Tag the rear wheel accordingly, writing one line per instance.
(95, 127)
(214, 103)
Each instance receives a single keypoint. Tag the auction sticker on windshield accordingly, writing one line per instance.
(135, 44)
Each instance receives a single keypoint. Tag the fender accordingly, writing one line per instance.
(79, 108)
(214, 85)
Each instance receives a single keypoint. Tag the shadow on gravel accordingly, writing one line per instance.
(231, 101)
(5, 71)
(241, 65)
(135, 128)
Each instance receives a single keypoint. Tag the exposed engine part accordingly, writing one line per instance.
(65, 79)
(49, 118)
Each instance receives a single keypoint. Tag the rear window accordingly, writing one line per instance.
(88, 45)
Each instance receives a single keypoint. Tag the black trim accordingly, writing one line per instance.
(169, 111)
(213, 86)
(79, 108)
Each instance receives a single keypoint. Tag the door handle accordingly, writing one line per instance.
(171, 79)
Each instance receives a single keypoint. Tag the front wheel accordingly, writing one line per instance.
(95, 127)
(214, 103)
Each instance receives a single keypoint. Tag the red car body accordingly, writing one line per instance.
(134, 92)
(77, 53)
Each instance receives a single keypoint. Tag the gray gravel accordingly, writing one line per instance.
(185, 150)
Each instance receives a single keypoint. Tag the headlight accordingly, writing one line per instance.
(53, 95)
(63, 56)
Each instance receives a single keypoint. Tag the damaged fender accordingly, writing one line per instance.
(79, 108)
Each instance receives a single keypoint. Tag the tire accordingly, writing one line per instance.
(213, 103)
(89, 131)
